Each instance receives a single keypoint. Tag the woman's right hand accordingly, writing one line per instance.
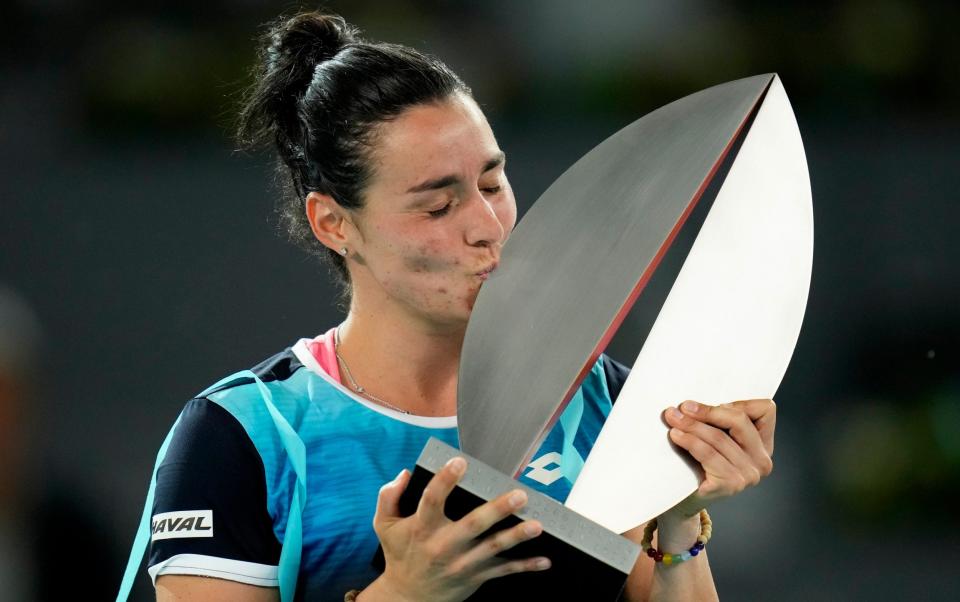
(430, 557)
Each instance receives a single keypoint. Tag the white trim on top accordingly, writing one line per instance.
(252, 573)
(303, 354)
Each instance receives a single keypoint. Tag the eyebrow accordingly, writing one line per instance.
(444, 181)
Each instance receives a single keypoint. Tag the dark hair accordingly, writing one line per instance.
(319, 93)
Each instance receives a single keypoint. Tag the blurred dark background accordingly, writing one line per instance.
(139, 260)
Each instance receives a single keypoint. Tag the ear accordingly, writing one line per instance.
(330, 222)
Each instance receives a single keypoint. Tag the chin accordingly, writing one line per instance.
(470, 300)
(461, 318)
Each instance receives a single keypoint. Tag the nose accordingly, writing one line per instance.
(483, 227)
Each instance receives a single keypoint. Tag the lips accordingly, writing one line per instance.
(485, 273)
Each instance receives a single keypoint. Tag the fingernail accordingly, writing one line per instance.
(517, 498)
(676, 414)
(457, 464)
(543, 564)
(691, 406)
(531, 529)
(399, 475)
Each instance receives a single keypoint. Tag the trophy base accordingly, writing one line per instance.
(588, 562)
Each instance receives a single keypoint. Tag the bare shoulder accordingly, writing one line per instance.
(171, 588)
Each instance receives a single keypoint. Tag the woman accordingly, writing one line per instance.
(395, 176)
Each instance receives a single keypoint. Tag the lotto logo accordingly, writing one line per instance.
(187, 523)
(539, 471)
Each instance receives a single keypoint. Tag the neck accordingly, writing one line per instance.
(410, 364)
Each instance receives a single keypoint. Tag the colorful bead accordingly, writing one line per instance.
(706, 531)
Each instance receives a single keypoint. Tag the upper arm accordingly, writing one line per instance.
(172, 588)
(210, 516)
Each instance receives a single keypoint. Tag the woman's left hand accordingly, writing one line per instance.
(733, 443)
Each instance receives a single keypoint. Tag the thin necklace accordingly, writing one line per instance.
(353, 382)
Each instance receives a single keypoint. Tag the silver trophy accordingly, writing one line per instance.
(573, 268)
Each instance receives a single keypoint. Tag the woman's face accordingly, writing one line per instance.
(437, 212)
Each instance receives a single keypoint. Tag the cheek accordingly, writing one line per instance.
(427, 258)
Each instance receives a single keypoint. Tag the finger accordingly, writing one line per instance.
(763, 413)
(388, 500)
(430, 508)
(756, 409)
(729, 418)
(487, 515)
(499, 568)
(498, 542)
(717, 468)
(729, 448)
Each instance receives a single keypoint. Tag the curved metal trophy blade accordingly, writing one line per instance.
(576, 263)
(726, 331)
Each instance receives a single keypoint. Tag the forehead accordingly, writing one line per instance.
(429, 140)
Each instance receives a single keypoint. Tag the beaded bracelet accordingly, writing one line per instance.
(706, 530)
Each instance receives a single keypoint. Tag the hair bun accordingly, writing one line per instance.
(309, 39)
(290, 50)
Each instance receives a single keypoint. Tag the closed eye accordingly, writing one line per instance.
(492, 189)
(441, 211)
